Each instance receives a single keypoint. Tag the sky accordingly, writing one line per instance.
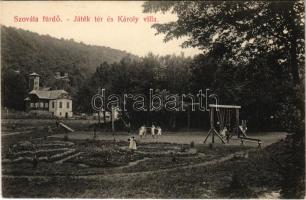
(136, 38)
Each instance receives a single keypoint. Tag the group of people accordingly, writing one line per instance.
(155, 131)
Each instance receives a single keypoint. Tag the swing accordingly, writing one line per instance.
(224, 121)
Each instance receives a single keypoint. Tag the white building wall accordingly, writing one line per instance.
(52, 107)
(62, 107)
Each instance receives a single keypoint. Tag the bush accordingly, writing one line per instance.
(238, 188)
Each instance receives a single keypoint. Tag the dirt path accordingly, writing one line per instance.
(129, 175)
(16, 133)
(68, 158)
(267, 138)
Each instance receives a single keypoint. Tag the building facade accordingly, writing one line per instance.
(55, 102)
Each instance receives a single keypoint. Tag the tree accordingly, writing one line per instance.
(261, 42)
(13, 90)
(241, 33)
(245, 29)
(83, 97)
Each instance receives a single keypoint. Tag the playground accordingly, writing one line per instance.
(65, 158)
(39, 163)
(95, 162)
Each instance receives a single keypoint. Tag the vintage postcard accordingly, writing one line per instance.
(153, 99)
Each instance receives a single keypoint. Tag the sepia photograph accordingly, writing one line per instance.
(153, 99)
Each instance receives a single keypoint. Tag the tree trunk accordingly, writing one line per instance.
(104, 119)
(188, 119)
(173, 124)
(99, 118)
(294, 65)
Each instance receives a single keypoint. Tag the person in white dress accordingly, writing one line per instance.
(142, 131)
(153, 131)
(132, 145)
(159, 131)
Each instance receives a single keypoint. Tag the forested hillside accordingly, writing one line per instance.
(28, 51)
(24, 52)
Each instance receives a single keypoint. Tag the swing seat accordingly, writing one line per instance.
(223, 132)
(223, 113)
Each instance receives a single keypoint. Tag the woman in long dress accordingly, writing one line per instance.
(132, 145)
(153, 131)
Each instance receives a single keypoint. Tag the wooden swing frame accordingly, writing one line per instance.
(240, 134)
(212, 132)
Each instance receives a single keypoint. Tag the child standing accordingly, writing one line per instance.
(132, 145)
(159, 131)
(142, 131)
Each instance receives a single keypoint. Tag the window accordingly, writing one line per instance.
(52, 104)
(36, 105)
(67, 104)
(41, 104)
(60, 114)
(46, 105)
(60, 104)
(31, 105)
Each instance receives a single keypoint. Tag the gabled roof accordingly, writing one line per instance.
(49, 94)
